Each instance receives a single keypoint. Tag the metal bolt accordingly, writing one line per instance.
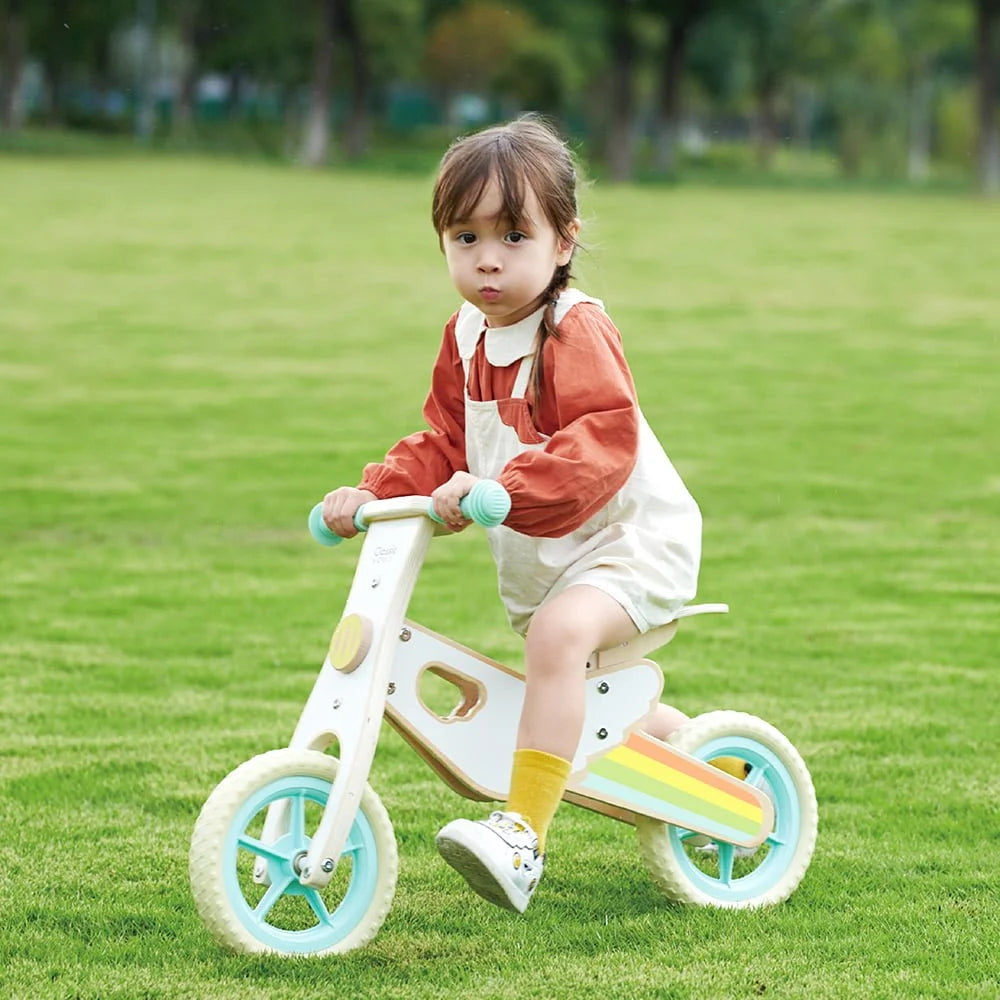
(405, 635)
(603, 687)
(392, 688)
(337, 703)
(327, 865)
(602, 733)
(376, 581)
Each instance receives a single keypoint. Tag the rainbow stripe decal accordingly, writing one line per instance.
(654, 780)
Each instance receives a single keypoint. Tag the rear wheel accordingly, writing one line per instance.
(689, 868)
(249, 892)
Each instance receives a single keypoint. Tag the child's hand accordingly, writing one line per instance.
(447, 496)
(339, 508)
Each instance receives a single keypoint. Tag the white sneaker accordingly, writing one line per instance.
(498, 857)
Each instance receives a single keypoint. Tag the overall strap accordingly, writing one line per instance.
(523, 374)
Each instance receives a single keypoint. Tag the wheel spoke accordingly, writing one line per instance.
(315, 901)
(261, 849)
(352, 846)
(297, 820)
(726, 855)
(758, 778)
(275, 891)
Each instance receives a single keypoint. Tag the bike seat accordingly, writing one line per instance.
(637, 648)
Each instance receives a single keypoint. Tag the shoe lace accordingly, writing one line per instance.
(508, 821)
(515, 823)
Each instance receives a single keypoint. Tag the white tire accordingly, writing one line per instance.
(687, 870)
(275, 913)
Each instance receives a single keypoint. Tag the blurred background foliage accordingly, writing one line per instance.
(819, 89)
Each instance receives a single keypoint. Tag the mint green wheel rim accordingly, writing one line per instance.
(332, 925)
(767, 771)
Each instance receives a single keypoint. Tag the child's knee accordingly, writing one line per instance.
(552, 634)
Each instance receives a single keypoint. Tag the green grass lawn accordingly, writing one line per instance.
(192, 353)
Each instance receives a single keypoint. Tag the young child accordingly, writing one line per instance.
(531, 388)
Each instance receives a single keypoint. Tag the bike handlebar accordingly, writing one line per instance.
(487, 503)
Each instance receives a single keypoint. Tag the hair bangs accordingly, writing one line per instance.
(468, 169)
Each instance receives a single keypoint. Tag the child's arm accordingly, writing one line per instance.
(589, 409)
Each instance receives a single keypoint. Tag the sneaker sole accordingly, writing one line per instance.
(481, 878)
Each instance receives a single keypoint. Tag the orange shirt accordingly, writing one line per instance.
(587, 410)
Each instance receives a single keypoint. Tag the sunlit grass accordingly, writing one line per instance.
(192, 353)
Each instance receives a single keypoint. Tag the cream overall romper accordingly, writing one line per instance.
(643, 548)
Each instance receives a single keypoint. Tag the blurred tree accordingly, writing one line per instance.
(987, 57)
(681, 16)
(363, 43)
(778, 38)
(470, 46)
(196, 22)
(273, 47)
(71, 39)
(623, 45)
(541, 74)
(717, 58)
(384, 39)
(928, 31)
(316, 138)
(856, 56)
(356, 43)
(955, 127)
(11, 63)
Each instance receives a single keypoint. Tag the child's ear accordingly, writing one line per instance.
(567, 246)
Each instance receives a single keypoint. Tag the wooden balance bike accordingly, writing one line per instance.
(293, 853)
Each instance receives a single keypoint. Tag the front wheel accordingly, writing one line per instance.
(270, 910)
(688, 868)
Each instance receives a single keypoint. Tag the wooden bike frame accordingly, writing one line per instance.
(375, 668)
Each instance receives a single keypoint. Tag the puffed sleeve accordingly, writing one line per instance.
(423, 461)
(593, 449)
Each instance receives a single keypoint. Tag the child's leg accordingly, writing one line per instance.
(502, 858)
(662, 721)
(562, 634)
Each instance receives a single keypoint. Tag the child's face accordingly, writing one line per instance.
(503, 270)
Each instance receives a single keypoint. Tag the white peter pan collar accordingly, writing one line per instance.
(507, 344)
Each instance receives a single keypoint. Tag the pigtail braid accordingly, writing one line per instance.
(558, 284)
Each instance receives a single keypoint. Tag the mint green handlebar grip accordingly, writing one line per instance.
(487, 503)
(322, 534)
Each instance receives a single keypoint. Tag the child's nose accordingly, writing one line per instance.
(489, 261)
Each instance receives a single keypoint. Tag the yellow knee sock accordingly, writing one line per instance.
(537, 782)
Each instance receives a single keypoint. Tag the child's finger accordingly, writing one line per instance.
(441, 507)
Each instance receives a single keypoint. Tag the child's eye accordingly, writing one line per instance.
(466, 239)
(515, 237)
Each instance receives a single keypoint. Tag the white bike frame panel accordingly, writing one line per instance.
(473, 747)
(348, 707)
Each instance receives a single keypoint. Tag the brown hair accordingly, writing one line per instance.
(525, 153)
